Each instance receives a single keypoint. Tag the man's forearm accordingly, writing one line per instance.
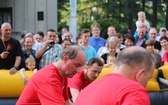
(40, 52)
(17, 61)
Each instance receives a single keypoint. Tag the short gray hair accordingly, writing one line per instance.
(112, 41)
(70, 51)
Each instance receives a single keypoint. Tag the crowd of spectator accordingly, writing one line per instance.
(36, 51)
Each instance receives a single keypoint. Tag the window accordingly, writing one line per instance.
(5, 15)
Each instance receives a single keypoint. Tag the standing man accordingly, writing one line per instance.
(133, 67)
(48, 51)
(10, 50)
(69, 36)
(152, 34)
(111, 31)
(96, 41)
(63, 30)
(49, 85)
(162, 32)
(141, 37)
(89, 50)
(85, 77)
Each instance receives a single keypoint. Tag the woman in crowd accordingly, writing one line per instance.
(164, 45)
(27, 50)
(65, 43)
(104, 50)
(150, 47)
(164, 51)
(128, 40)
(111, 47)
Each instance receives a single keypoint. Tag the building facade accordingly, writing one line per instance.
(29, 15)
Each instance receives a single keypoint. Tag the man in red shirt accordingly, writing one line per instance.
(125, 85)
(49, 85)
(85, 77)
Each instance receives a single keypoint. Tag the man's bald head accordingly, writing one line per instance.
(134, 49)
(5, 24)
(135, 57)
(6, 31)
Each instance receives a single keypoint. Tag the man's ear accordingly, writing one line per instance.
(139, 73)
(65, 59)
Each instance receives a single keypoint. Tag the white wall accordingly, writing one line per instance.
(25, 14)
(19, 15)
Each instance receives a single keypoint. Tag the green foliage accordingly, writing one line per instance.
(120, 13)
(63, 13)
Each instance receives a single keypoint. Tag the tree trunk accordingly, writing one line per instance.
(120, 11)
(130, 5)
(166, 14)
(154, 19)
(108, 9)
(143, 5)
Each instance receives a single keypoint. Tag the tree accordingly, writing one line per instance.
(122, 11)
(154, 19)
(166, 19)
(63, 12)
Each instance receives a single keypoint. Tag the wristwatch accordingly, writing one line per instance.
(15, 67)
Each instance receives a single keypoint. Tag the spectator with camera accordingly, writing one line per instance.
(49, 51)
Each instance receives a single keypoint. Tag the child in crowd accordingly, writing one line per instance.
(30, 65)
(142, 18)
(141, 23)
(110, 60)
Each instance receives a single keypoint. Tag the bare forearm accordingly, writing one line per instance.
(40, 52)
(17, 61)
(22, 73)
(74, 93)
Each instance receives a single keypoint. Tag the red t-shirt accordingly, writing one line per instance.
(77, 81)
(46, 87)
(113, 89)
(165, 57)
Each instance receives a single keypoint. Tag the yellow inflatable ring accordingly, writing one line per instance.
(12, 85)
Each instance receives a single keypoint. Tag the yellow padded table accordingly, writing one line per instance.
(105, 71)
(12, 85)
(165, 71)
(153, 84)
